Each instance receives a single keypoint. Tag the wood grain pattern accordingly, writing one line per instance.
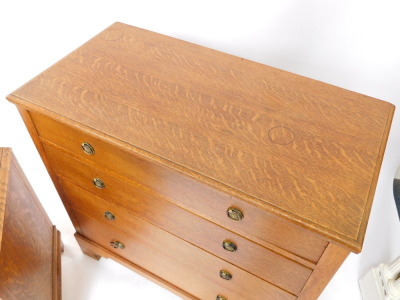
(58, 248)
(274, 137)
(368, 206)
(34, 135)
(23, 179)
(184, 131)
(27, 263)
(3, 190)
(179, 262)
(257, 260)
(91, 247)
(329, 263)
(6, 294)
(255, 223)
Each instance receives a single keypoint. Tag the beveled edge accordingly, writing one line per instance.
(374, 182)
(58, 248)
(5, 162)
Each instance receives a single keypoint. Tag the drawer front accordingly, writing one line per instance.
(178, 262)
(183, 191)
(254, 258)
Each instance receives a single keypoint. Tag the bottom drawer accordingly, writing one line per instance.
(180, 263)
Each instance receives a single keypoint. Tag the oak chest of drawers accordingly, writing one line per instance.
(30, 246)
(217, 177)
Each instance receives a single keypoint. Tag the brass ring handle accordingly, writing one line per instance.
(225, 275)
(117, 245)
(87, 148)
(229, 246)
(109, 216)
(98, 183)
(234, 214)
(220, 298)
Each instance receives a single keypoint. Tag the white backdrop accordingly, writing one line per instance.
(347, 43)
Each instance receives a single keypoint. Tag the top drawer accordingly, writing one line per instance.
(182, 190)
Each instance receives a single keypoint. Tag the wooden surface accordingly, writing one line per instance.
(7, 295)
(35, 138)
(97, 252)
(29, 267)
(287, 143)
(166, 184)
(265, 264)
(177, 261)
(4, 161)
(186, 194)
(187, 132)
(329, 263)
(58, 248)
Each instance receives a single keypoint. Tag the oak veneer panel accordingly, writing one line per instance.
(178, 262)
(6, 295)
(29, 265)
(277, 232)
(92, 249)
(264, 134)
(257, 260)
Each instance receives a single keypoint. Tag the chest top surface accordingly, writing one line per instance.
(308, 151)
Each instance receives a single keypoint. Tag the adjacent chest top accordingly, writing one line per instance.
(5, 159)
(306, 150)
(2, 199)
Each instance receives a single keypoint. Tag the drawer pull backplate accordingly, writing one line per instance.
(117, 245)
(234, 214)
(225, 275)
(98, 183)
(87, 148)
(109, 216)
(229, 246)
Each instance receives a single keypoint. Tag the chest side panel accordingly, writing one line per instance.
(26, 257)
